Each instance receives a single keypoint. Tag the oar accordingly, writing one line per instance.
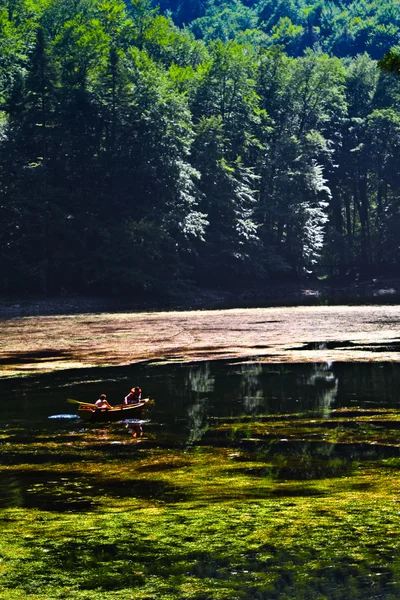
(72, 401)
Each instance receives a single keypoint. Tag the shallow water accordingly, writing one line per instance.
(293, 464)
(189, 396)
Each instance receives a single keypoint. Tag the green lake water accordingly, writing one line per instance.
(296, 465)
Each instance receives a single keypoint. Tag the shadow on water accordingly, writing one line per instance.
(301, 461)
(321, 450)
(52, 490)
(35, 357)
(394, 346)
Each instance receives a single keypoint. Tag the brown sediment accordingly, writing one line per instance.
(298, 334)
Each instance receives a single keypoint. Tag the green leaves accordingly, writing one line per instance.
(230, 155)
(390, 63)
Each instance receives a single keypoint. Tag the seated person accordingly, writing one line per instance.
(134, 396)
(102, 404)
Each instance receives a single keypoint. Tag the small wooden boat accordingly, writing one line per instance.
(116, 413)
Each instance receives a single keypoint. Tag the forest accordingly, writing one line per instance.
(152, 148)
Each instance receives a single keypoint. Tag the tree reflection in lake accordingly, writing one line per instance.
(251, 387)
(200, 382)
(186, 395)
(317, 380)
(199, 378)
(323, 379)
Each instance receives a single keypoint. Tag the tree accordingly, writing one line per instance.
(226, 89)
(304, 99)
(228, 199)
(390, 63)
(30, 145)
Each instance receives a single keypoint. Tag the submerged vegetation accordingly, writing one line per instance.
(245, 513)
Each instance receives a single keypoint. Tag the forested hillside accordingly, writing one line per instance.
(339, 27)
(150, 149)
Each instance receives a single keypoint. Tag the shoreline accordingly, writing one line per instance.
(372, 291)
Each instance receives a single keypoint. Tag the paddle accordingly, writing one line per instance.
(144, 401)
(72, 401)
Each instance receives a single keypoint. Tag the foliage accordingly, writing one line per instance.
(240, 142)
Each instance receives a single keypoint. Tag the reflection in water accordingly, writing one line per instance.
(251, 387)
(199, 378)
(135, 429)
(260, 393)
(187, 396)
(326, 383)
(199, 382)
(197, 421)
(103, 434)
(63, 416)
(279, 498)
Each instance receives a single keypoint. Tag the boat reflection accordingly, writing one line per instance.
(135, 429)
(116, 433)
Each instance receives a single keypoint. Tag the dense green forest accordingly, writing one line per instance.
(154, 148)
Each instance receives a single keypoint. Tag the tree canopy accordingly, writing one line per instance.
(146, 149)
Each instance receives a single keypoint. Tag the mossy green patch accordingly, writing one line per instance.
(290, 507)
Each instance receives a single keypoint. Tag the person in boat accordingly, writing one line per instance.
(134, 396)
(102, 404)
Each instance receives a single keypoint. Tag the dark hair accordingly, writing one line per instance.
(103, 397)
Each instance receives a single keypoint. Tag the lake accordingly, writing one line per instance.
(218, 389)
(262, 474)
